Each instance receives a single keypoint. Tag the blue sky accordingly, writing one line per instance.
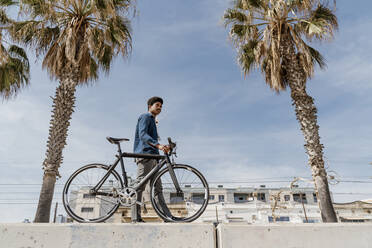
(232, 129)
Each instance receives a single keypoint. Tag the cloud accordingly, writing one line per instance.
(349, 64)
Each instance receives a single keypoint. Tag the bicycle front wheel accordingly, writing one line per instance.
(83, 205)
(184, 206)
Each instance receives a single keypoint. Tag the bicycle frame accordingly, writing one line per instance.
(163, 159)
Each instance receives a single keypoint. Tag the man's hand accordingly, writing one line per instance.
(164, 148)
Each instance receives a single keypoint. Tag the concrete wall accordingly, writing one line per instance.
(185, 235)
(106, 235)
(295, 236)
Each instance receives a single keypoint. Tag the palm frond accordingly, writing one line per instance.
(7, 3)
(234, 16)
(106, 58)
(76, 34)
(273, 26)
(317, 57)
(247, 57)
(14, 72)
(321, 23)
(19, 53)
(301, 5)
(4, 19)
(14, 64)
(250, 4)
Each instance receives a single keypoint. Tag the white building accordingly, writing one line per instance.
(262, 205)
(254, 205)
(357, 211)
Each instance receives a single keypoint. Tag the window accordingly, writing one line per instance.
(281, 218)
(175, 198)
(88, 196)
(299, 198)
(241, 198)
(261, 197)
(310, 221)
(86, 210)
(287, 197)
(221, 198)
(352, 220)
(197, 198)
(315, 198)
(211, 197)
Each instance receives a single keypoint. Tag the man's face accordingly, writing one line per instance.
(155, 109)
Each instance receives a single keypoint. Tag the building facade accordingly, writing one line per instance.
(253, 205)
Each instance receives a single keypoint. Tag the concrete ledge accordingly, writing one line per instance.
(106, 235)
(295, 236)
(185, 235)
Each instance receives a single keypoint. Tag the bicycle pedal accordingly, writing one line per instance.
(140, 203)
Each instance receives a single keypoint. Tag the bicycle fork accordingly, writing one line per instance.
(174, 178)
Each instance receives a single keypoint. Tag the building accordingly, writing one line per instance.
(254, 205)
(249, 205)
(262, 205)
(357, 211)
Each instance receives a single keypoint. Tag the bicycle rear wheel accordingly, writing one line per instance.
(85, 206)
(173, 206)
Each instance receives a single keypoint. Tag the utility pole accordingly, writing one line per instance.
(302, 202)
(217, 215)
(55, 213)
(303, 206)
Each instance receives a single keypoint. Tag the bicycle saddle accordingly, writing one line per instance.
(116, 140)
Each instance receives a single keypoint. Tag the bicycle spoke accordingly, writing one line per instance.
(183, 174)
(83, 206)
(107, 200)
(194, 180)
(186, 206)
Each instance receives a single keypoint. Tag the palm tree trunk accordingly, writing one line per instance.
(46, 197)
(306, 114)
(63, 106)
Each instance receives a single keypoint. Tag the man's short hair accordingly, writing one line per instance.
(153, 100)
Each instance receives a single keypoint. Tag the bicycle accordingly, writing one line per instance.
(95, 191)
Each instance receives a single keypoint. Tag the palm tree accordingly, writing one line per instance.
(272, 35)
(14, 65)
(78, 38)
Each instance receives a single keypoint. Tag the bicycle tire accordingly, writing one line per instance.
(180, 210)
(85, 202)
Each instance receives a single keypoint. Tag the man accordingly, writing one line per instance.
(146, 132)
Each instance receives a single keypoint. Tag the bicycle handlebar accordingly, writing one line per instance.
(172, 145)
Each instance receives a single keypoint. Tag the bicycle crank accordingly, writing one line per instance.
(128, 197)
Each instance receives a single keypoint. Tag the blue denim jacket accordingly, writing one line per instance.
(146, 132)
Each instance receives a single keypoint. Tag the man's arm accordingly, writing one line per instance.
(143, 124)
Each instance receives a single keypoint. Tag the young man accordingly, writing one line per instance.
(146, 132)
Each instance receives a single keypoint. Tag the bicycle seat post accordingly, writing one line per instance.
(122, 166)
(119, 149)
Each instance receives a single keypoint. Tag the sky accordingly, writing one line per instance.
(235, 130)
